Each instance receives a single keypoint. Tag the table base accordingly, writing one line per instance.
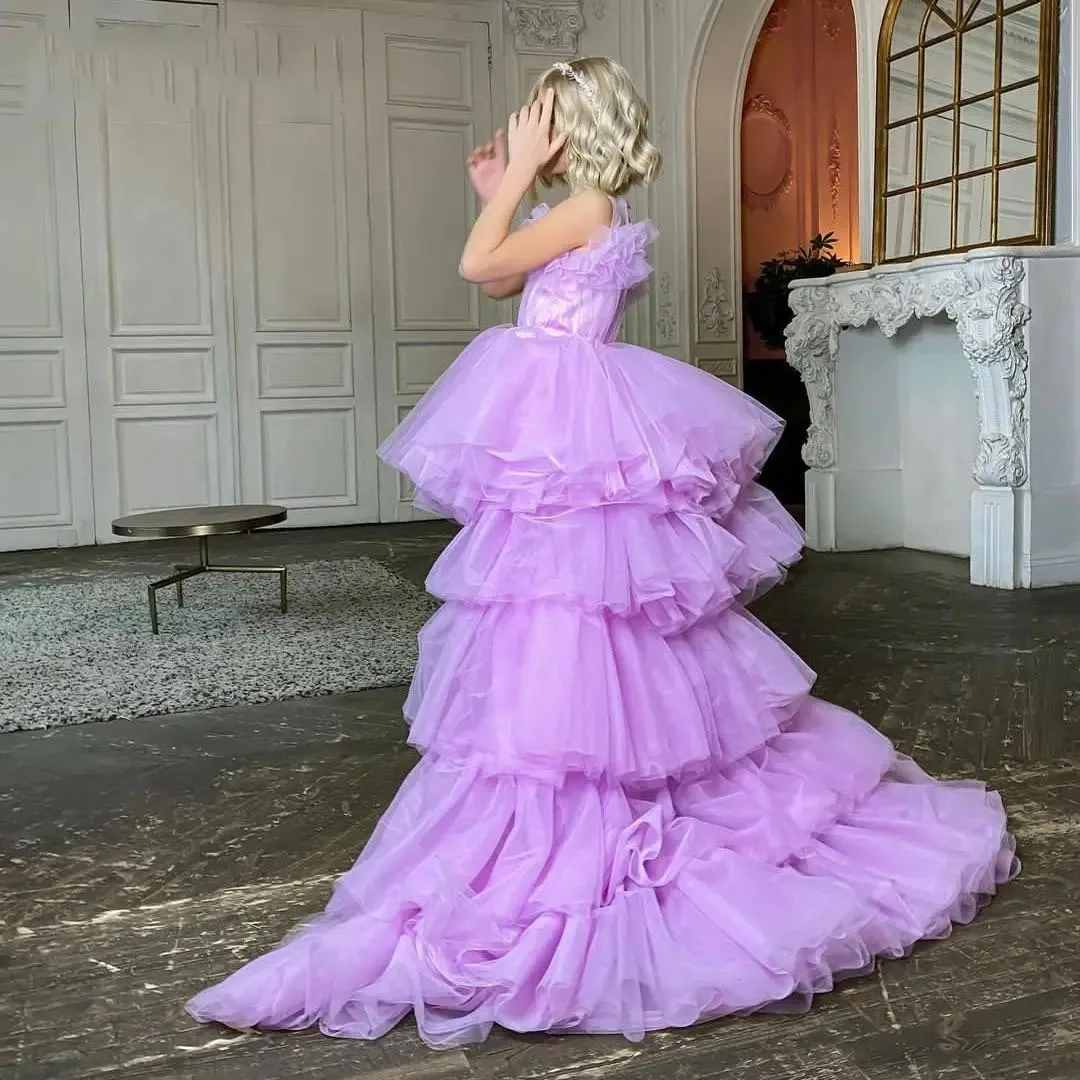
(206, 567)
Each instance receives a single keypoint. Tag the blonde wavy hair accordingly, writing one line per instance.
(607, 122)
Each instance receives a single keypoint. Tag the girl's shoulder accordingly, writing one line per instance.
(617, 254)
(595, 203)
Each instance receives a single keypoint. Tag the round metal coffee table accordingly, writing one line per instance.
(202, 522)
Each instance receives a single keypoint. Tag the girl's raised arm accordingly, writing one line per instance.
(492, 251)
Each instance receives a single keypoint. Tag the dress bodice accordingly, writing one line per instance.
(584, 292)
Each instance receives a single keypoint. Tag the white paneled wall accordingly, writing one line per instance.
(428, 95)
(154, 281)
(230, 237)
(230, 231)
(46, 492)
(297, 183)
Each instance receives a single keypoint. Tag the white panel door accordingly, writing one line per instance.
(298, 217)
(428, 96)
(162, 398)
(45, 483)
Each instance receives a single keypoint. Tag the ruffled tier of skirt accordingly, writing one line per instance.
(526, 423)
(506, 900)
(672, 567)
(544, 689)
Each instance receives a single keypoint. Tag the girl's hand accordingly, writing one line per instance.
(486, 165)
(532, 142)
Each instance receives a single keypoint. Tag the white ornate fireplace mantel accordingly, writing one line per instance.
(899, 455)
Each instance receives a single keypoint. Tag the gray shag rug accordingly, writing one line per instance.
(79, 652)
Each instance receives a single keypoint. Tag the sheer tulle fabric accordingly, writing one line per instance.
(540, 689)
(527, 420)
(508, 900)
(631, 813)
(674, 566)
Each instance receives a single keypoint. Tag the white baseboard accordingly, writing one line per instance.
(1049, 570)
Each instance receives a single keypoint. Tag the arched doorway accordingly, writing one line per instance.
(719, 38)
(799, 181)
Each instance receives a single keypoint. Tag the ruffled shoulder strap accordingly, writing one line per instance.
(618, 256)
(620, 212)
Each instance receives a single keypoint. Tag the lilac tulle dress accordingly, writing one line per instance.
(630, 812)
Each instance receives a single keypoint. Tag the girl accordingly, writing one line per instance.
(630, 813)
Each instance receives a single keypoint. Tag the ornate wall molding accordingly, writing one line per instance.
(666, 323)
(726, 367)
(834, 167)
(716, 316)
(983, 297)
(766, 125)
(775, 20)
(834, 11)
(546, 29)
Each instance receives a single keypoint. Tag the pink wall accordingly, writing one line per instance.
(800, 136)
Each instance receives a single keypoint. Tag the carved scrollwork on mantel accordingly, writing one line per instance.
(811, 342)
(983, 297)
(546, 28)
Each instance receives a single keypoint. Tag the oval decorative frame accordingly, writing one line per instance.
(762, 112)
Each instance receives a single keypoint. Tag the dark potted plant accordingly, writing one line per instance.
(769, 379)
(767, 303)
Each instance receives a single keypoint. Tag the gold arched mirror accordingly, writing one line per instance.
(967, 110)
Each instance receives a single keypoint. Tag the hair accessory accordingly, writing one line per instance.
(571, 72)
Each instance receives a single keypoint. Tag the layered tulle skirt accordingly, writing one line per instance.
(631, 812)
(526, 420)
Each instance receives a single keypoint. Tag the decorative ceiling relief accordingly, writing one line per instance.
(767, 173)
(546, 29)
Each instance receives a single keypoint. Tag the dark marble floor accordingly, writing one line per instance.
(140, 860)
